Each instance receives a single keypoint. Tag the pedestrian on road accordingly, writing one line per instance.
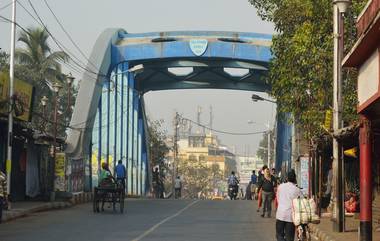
(253, 185)
(177, 187)
(258, 191)
(157, 184)
(120, 173)
(286, 192)
(3, 193)
(267, 186)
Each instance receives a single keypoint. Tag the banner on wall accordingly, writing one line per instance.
(23, 93)
(304, 175)
(59, 172)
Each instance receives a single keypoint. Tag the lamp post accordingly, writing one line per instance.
(256, 98)
(44, 101)
(340, 7)
(269, 155)
(56, 89)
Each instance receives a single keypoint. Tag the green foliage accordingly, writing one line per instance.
(199, 177)
(262, 151)
(38, 65)
(301, 70)
(38, 57)
(158, 147)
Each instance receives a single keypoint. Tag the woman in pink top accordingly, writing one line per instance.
(286, 192)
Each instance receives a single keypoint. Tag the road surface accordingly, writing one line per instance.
(146, 220)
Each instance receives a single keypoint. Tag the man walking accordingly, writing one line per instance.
(156, 183)
(3, 193)
(286, 192)
(177, 187)
(253, 185)
(120, 173)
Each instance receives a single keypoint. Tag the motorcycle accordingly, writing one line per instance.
(233, 191)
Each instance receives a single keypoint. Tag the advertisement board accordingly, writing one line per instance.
(304, 175)
(23, 93)
(59, 181)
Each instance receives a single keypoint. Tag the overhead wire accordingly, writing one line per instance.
(75, 67)
(6, 6)
(75, 59)
(68, 64)
(223, 132)
(67, 34)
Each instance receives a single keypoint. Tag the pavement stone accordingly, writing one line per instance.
(324, 232)
(23, 209)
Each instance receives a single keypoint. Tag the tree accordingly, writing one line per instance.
(39, 58)
(41, 67)
(262, 151)
(158, 149)
(199, 177)
(301, 70)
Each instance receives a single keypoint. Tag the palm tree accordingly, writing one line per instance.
(38, 57)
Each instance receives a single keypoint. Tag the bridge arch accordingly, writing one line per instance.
(108, 122)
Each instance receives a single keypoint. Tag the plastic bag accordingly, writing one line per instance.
(304, 211)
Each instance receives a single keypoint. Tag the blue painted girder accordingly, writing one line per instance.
(159, 51)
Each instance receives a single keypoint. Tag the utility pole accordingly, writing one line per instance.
(340, 7)
(11, 98)
(175, 151)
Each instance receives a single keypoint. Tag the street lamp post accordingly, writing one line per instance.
(56, 88)
(44, 101)
(256, 98)
(340, 7)
(269, 155)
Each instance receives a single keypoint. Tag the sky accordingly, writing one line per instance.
(86, 19)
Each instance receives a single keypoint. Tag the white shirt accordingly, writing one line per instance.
(286, 192)
(177, 183)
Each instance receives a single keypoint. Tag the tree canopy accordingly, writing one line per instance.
(301, 69)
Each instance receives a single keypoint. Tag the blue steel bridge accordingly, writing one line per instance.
(109, 123)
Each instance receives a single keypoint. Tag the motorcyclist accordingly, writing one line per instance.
(233, 183)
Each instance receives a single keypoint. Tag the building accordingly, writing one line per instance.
(365, 56)
(245, 166)
(207, 148)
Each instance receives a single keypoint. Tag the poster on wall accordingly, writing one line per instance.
(304, 175)
(59, 172)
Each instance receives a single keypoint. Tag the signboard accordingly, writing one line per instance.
(304, 175)
(23, 101)
(368, 81)
(328, 119)
(198, 46)
(59, 182)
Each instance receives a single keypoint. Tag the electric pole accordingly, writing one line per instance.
(175, 151)
(11, 98)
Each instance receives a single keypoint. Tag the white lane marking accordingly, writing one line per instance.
(164, 221)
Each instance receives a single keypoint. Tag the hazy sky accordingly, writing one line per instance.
(86, 19)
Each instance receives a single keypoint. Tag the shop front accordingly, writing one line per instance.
(364, 56)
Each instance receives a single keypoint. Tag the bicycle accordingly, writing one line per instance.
(303, 232)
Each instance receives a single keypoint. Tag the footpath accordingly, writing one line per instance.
(324, 231)
(21, 209)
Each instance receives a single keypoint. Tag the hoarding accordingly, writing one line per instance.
(23, 93)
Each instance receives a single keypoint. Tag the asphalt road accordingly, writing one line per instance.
(146, 220)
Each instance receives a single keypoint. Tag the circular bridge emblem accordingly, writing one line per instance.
(198, 46)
